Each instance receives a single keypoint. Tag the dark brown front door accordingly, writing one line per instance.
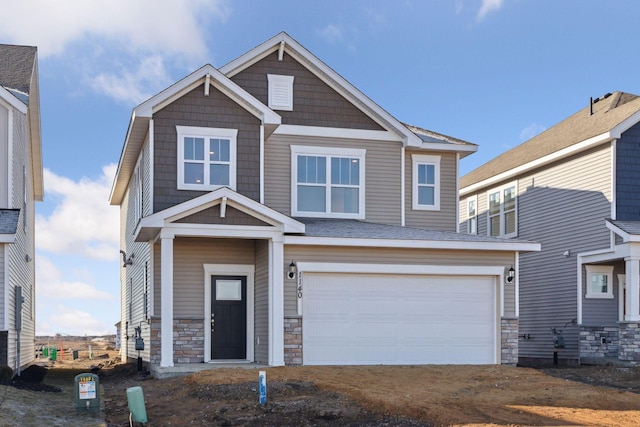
(228, 317)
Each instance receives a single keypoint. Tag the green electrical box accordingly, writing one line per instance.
(87, 391)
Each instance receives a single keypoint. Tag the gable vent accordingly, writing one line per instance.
(280, 92)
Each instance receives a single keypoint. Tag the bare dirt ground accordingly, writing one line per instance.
(346, 396)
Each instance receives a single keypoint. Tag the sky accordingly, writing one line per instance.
(491, 72)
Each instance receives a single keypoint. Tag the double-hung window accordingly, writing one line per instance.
(472, 215)
(327, 182)
(599, 281)
(502, 212)
(206, 158)
(426, 182)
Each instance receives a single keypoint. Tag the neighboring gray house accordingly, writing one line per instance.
(575, 189)
(20, 185)
(272, 213)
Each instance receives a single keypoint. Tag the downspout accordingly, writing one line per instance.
(262, 163)
(403, 185)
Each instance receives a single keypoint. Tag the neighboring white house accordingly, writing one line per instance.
(20, 186)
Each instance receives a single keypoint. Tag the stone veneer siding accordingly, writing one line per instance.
(592, 345)
(509, 340)
(293, 341)
(629, 351)
(188, 341)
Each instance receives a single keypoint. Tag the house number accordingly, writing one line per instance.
(300, 287)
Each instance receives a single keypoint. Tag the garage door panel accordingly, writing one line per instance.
(382, 319)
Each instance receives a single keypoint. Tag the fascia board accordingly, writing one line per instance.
(238, 201)
(14, 102)
(327, 75)
(542, 161)
(7, 238)
(413, 244)
(623, 126)
(434, 146)
(626, 237)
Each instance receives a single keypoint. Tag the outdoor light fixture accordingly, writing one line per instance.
(291, 273)
(511, 274)
(126, 261)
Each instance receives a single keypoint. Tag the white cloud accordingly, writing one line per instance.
(100, 43)
(332, 33)
(530, 131)
(142, 24)
(82, 222)
(488, 6)
(131, 86)
(73, 321)
(51, 285)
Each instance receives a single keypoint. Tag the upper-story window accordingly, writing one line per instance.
(426, 182)
(327, 182)
(472, 215)
(502, 212)
(599, 281)
(280, 92)
(206, 158)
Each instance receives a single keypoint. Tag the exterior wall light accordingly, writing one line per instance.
(291, 273)
(511, 275)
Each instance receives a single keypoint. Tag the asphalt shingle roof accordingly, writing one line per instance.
(608, 112)
(9, 221)
(356, 229)
(630, 227)
(16, 68)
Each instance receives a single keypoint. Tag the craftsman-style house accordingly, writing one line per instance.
(273, 213)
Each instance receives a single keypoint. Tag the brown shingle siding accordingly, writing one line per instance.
(215, 111)
(314, 102)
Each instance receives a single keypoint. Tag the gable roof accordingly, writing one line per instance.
(607, 118)
(20, 88)
(8, 224)
(282, 42)
(150, 225)
(142, 114)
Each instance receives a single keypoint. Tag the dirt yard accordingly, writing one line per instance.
(346, 396)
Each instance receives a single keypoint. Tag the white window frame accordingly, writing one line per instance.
(422, 159)
(280, 92)
(328, 153)
(473, 199)
(207, 133)
(502, 212)
(604, 270)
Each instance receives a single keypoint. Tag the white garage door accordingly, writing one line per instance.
(364, 319)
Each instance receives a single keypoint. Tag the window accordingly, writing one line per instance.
(426, 182)
(280, 92)
(206, 158)
(502, 212)
(599, 281)
(327, 182)
(472, 215)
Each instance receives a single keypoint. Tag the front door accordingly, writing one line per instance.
(228, 317)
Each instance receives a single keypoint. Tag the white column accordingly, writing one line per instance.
(632, 301)
(166, 301)
(276, 302)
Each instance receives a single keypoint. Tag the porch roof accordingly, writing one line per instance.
(8, 224)
(629, 231)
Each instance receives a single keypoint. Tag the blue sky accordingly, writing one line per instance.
(492, 72)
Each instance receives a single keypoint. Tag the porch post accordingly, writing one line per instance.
(632, 301)
(276, 302)
(166, 301)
